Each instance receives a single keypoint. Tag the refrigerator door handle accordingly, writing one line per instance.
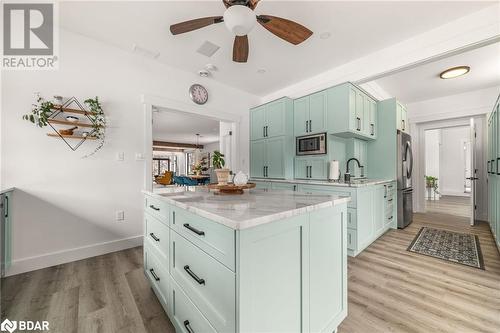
(410, 153)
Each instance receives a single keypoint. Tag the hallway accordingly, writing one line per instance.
(452, 205)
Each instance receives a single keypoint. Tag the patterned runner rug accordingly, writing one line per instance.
(448, 245)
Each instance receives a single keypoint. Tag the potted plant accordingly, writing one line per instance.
(197, 168)
(431, 184)
(218, 162)
(41, 112)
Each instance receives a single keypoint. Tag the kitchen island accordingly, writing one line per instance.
(264, 261)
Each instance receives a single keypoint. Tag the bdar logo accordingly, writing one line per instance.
(8, 325)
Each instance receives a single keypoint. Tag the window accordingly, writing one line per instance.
(189, 163)
(162, 164)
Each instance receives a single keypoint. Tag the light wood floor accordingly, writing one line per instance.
(447, 204)
(390, 290)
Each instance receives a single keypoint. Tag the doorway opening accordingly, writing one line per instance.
(448, 171)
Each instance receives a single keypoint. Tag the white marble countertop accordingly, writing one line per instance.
(5, 190)
(355, 183)
(254, 207)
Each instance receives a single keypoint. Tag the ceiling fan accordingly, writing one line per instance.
(240, 19)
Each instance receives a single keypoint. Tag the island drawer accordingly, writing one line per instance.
(351, 239)
(156, 270)
(156, 207)
(157, 233)
(208, 283)
(352, 218)
(185, 315)
(214, 238)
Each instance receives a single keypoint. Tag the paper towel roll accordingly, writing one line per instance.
(334, 172)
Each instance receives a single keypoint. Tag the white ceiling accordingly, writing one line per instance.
(179, 127)
(423, 82)
(357, 28)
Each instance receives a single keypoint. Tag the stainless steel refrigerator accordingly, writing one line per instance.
(404, 175)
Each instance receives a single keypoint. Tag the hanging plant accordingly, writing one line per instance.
(98, 119)
(41, 112)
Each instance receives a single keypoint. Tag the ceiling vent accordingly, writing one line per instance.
(208, 49)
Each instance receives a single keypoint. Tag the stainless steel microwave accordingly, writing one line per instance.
(314, 144)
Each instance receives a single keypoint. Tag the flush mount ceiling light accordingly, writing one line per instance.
(454, 72)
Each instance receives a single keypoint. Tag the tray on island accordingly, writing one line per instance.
(229, 189)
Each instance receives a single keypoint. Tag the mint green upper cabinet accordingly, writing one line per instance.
(301, 116)
(275, 150)
(372, 123)
(301, 168)
(350, 112)
(318, 112)
(402, 117)
(276, 118)
(258, 123)
(258, 157)
(310, 114)
(272, 119)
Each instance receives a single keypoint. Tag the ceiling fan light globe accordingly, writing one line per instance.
(239, 19)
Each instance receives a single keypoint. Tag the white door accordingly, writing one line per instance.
(473, 176)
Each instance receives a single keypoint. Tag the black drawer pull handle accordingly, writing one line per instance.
(153, 207)
(152, 271)
(389, 200)
(196, 231)
(390, 218)
(154, 237)
(188, 327)
(193, 275)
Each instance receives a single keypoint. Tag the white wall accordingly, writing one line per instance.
(65, 206)
(452, 173)
(432, 153)
(210, 147)
(477, 102)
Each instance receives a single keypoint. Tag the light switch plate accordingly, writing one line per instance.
(120, 156)
(120, 215)
(139, 156)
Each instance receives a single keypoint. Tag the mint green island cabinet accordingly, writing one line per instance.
(264, 261)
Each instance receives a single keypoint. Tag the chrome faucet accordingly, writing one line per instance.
(347, 174)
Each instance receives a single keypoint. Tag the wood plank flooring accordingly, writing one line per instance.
(390, 290)
(447, 204)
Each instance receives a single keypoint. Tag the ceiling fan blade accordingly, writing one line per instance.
(240, 48)
(180, 28)
(252, 4)
(285, 29)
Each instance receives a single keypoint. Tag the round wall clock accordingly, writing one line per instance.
(198, 94)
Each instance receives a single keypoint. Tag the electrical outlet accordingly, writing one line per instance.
(120, 215)
(120, 156)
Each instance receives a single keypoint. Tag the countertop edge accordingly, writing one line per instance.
(242, 225)
(5, 190)
(322, 183)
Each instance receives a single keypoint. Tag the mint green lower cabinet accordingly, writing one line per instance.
(284, 283)
(207, 282)
(369, 215)
(281, 281)
(8, 230)
(262, 185)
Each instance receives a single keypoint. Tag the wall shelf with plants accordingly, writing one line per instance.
(70, 121)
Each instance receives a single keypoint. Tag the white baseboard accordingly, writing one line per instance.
(61, 257)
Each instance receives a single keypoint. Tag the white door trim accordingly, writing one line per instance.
(150, 102)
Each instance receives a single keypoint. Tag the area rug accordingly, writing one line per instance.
(448, 245)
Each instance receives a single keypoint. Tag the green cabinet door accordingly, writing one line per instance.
(359, 109)
(317, 112)
(352, 109)
(275, 157)
(276, 118)
(301, 116)
(301, 168)
(257, 123)
(404, 119)
(372, 118)
(257, 158)
(8, 230)
(366, 115)
(318, 168)
(379, 208)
